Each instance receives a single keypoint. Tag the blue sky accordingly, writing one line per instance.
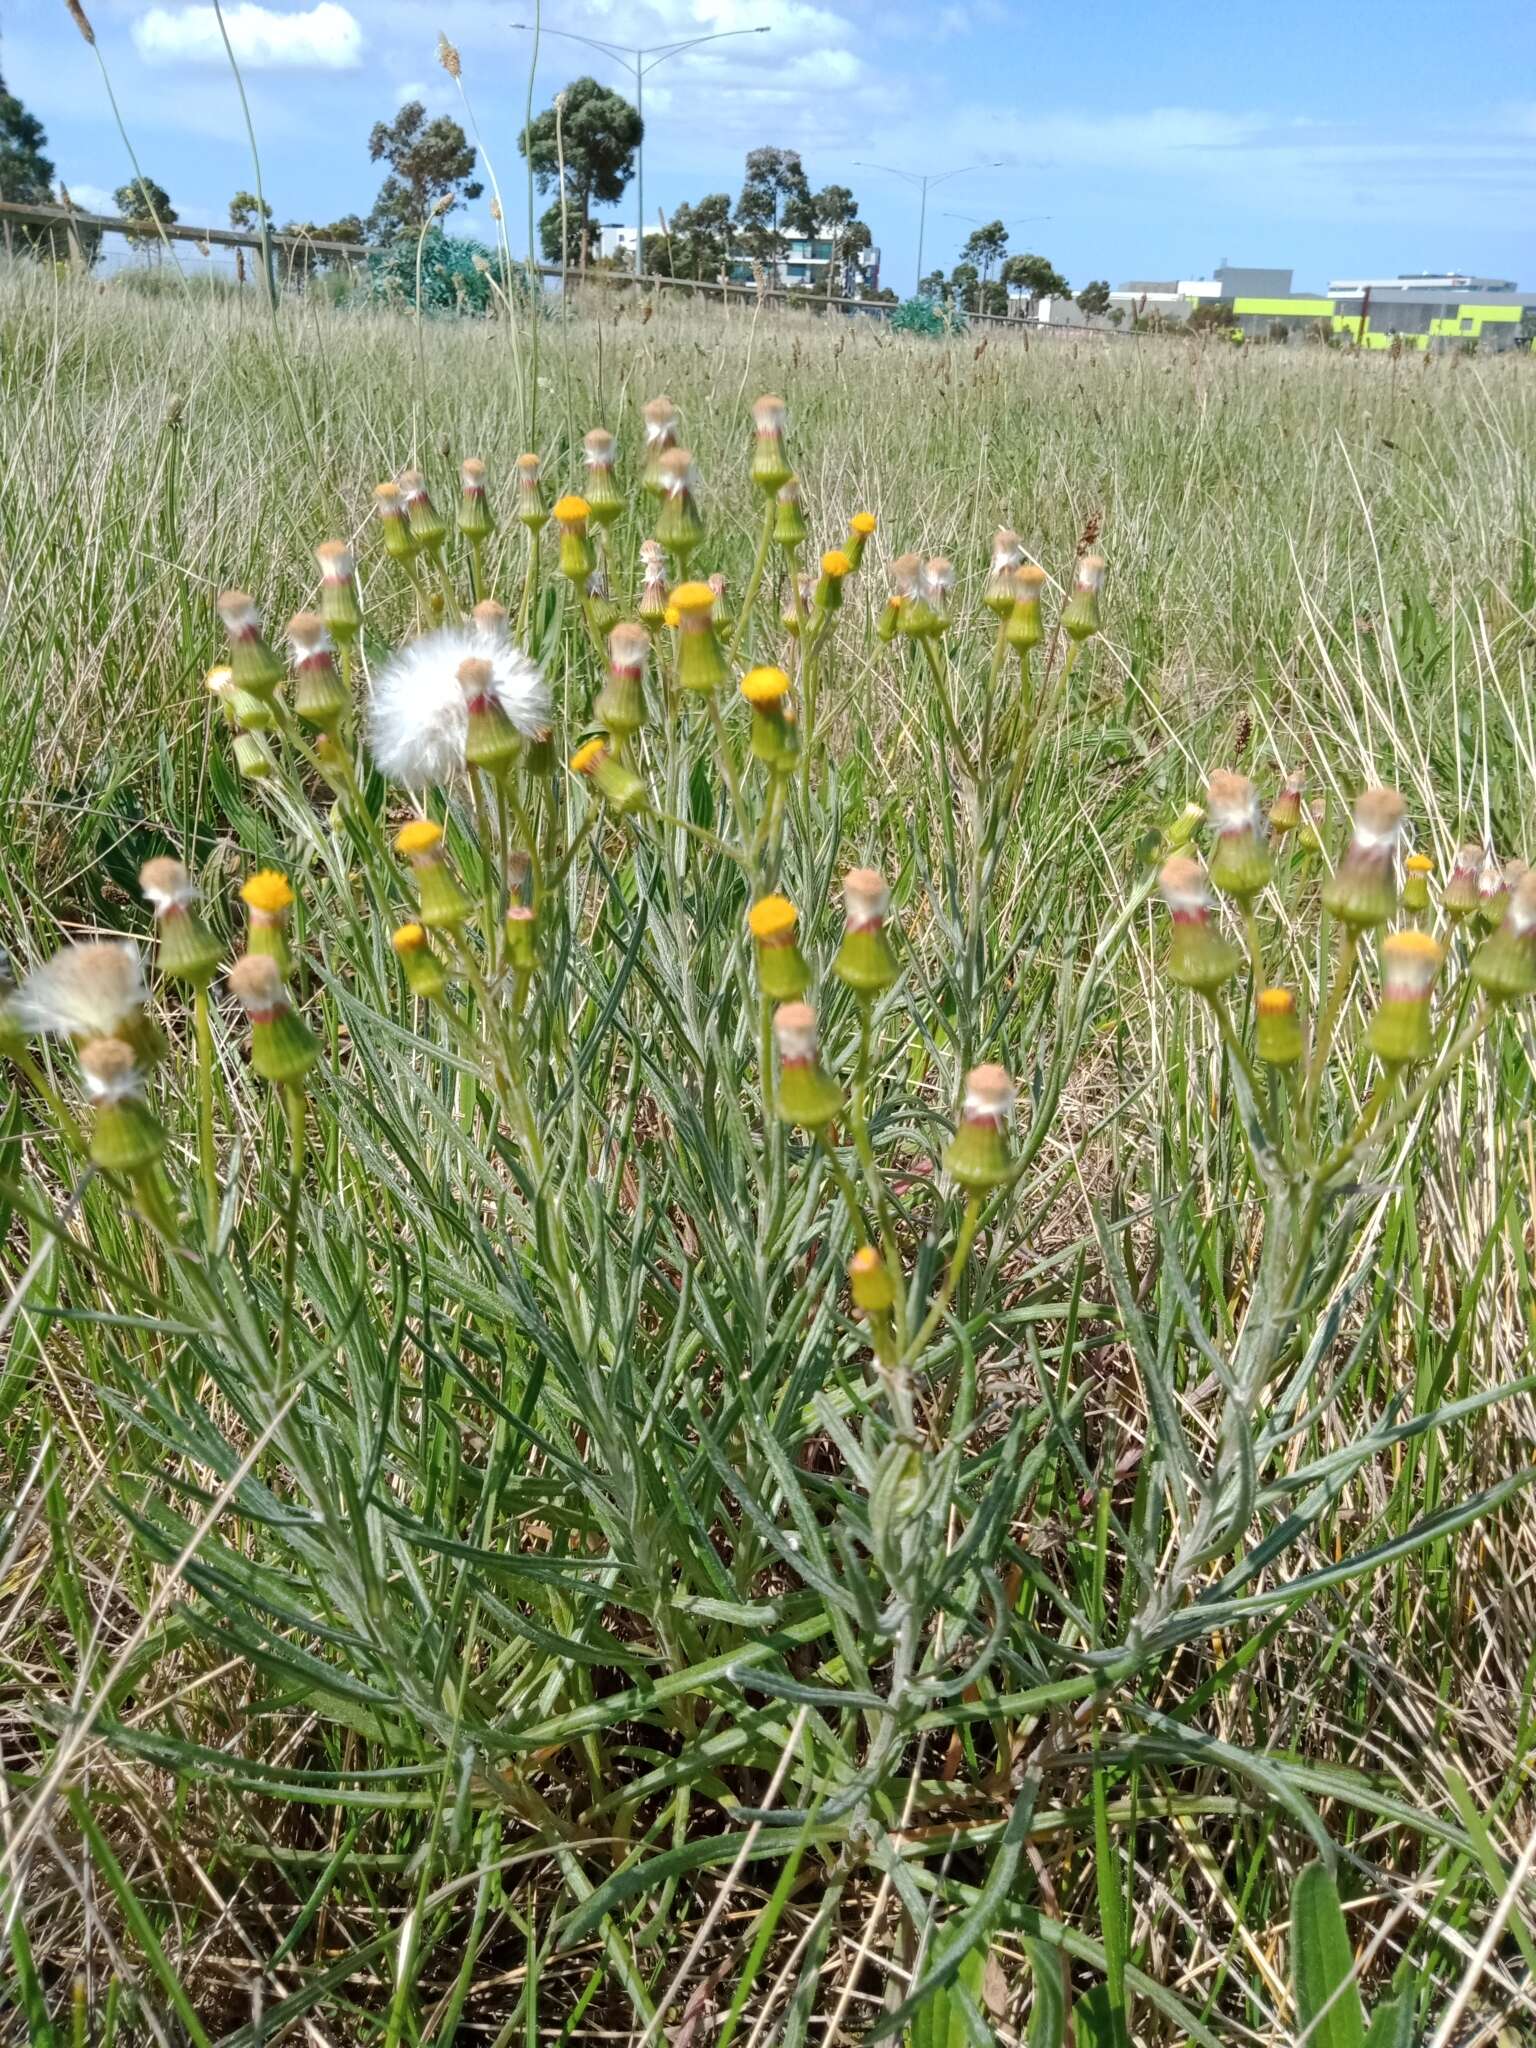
(1336, 138)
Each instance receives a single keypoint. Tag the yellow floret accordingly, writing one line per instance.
(672, 616)
(587, 756)
(772, 917)
(1420, 864)
(693, 597)
(762, 686)
(419, 836)
(571, 510)
(218, 679)
(863, 522)
(409, 938)
(1276, 1002)
(267, 890)
(1412, 945)
(835, 563)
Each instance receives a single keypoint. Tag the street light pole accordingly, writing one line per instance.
(922, 180)
(633, 61)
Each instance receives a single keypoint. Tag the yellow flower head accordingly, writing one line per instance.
(1276, 1002)
(571, 510)
(1420, 864)
(419, 836)
(693, 597)
(267, 891)
(864, 523)
(410, 938)
(587, 756)
(1414, 948)
(835, 563)
(765, 686)
(772, 917)
(672, 617)
(219, 678)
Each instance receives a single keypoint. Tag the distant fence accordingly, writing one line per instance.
(75, 228)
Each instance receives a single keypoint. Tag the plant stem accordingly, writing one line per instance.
(946, 709)
(700, 833)
(204, 1031)
(1263, 1109)
(728, 767)
(525, 607)
(262, 209)
(863, 1145)
(969, 1224)
(845, 1187)
(754, 584)
(1254, 945)
(293, 1106)
(27, 1063)
(1344, 974)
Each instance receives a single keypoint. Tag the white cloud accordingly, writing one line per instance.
(90, 198)
(325, 37)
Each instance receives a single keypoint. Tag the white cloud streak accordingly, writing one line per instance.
(324, 37)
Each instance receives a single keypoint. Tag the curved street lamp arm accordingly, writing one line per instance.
(660, 52)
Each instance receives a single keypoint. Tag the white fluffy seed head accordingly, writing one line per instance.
(660, 416)
(1378, 820)
(256, 982)
(111, 1070)
(335, 559)
(1520, 917)
(418, 724)
(989, 1094)
(166, 885)
(1233, 803)
(87, 991)
(794, 1032)
(866, 898)
(1182, 882)
(678, 477)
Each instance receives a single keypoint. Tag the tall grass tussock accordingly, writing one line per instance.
(767, 1214)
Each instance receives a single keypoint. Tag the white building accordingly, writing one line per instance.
(805, 261)
(1418, 281)
(613, 240)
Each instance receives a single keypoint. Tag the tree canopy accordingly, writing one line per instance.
(700, 238)
(143, 202)
(834, 213)
(26, 175)
(775, 196)
(1036, 275)
(985, 247)
(1094, 297)
(431, 168)
(595, 133)
(248, 212)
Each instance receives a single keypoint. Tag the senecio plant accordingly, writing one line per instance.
(1317, 1106)
(580, 1283)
